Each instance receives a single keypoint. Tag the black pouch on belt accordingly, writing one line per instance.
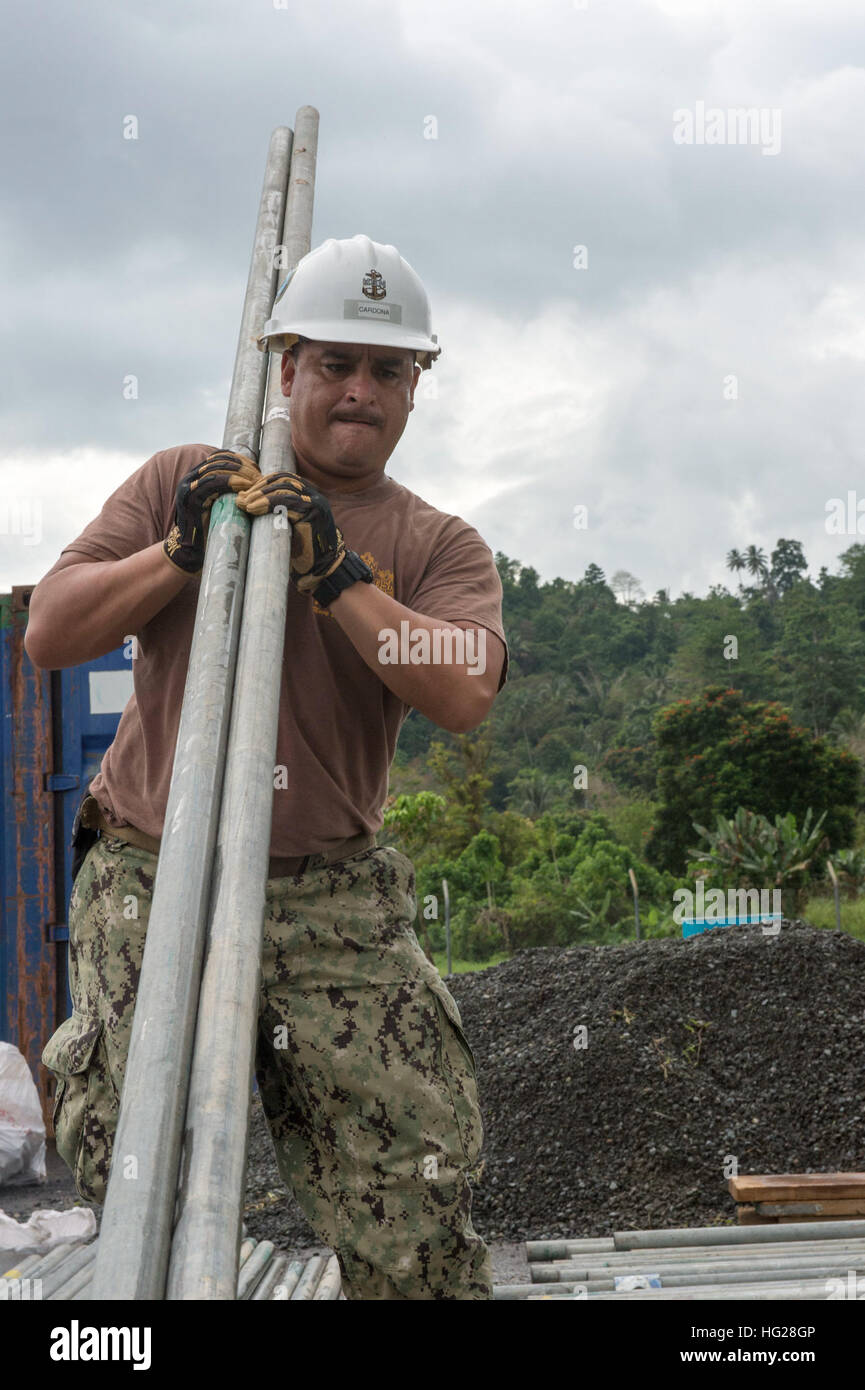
(83, 837)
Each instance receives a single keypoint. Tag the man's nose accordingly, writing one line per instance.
(360, 386)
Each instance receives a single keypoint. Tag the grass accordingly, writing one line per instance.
(461, 967)
(819, 911)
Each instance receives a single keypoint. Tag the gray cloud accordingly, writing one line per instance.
(556, 386)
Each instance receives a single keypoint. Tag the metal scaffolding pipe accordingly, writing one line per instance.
(720, 1252)
(329, 1285)
(246, 1249)
(80, 1257)
(309, 1279)
(254, 1268)
(203, 1263)
(672, 1280)
(45, 1263)
(591, 1247)
(22, 1268)
(76, 1283)
(136, 1225)
(288, 1283)
(720, 1269)
(720, 1257)
(269, 1280)
(809, 1290)
(40, 1266)
(554, 1249)
(511, 1293)
(740, 1235)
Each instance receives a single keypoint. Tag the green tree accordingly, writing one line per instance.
(719, 752)
(483, 857)
(415, 818)
(819, 657)
(736, 561)
(463, 773)
(788, 565)
(755, 562)
(631, 768)
(533, 792)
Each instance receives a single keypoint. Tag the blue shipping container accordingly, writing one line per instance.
(56, 728)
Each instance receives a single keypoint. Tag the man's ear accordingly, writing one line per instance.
(289, 368)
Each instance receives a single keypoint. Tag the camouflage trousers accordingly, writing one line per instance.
(365, 1074)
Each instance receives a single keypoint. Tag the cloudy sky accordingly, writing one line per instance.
(694, 381)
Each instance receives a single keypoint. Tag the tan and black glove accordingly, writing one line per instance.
(317, 544)
(217, 474)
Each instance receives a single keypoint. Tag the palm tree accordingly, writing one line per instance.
(532, 793)
(515, 711)
(519, 649)
(598, 689)
(557, 689)
(655, 683)
(755, 561)
(736, 560)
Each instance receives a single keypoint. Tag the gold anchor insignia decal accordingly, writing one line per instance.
(374, 285)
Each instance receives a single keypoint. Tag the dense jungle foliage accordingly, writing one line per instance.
(628, 726)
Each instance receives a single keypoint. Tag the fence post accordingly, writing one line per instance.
(834, 877)
(447, 899)
(633, 877)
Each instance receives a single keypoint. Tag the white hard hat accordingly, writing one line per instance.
(352, 291)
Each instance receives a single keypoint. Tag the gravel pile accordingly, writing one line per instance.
(731, 1043)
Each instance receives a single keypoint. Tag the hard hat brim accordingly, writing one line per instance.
(276, 338)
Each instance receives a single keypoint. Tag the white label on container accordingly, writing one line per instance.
(110, 691)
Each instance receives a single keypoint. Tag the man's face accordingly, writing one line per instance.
(349, 406)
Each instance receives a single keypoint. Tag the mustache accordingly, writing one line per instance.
(359, 417)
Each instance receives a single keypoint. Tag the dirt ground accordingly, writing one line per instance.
(58, 1194)
(618, 1082)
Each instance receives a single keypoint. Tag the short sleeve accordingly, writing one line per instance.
(461, 583)
(139, 512)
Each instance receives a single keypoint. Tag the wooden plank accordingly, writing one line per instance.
(796, 1187)
(749, 1216)
(752, 1218)
(834, 1207)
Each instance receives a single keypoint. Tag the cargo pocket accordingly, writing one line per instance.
(460, 1073)
(85, 1108)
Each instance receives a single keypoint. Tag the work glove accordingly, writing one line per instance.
(317, 544)
(217, 474)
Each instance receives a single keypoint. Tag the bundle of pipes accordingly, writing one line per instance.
(263, 1274)
(787, 1263)
(174, 1232)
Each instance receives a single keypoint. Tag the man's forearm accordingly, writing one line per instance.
(87, 609)
(455, 695)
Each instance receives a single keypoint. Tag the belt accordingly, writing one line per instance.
(279, 867)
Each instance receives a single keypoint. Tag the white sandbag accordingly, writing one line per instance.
(45, 1229)
(22, 1129)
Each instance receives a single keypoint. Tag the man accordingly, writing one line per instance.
(366, 1077)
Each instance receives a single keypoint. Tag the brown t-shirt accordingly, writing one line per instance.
(338, 722)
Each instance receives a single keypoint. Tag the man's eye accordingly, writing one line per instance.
(333, 366)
